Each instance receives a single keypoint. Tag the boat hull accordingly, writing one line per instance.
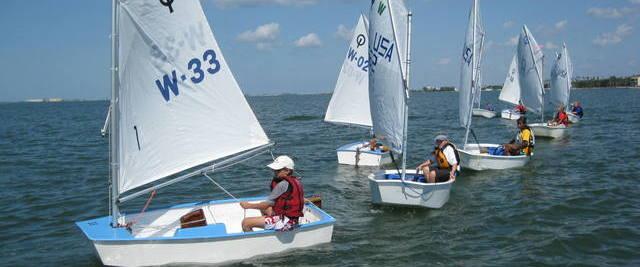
(408, 193)
(545, 130)
(510, 114)
(472, 158)
(478, 112)
(354, 154)
(221, 241)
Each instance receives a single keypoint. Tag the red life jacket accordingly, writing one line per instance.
(291, 202)
(562, 118)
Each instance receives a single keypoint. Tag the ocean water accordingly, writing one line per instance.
(576, 203)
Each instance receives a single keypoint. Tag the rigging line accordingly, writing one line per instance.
(394, 162)
(474, 137)
(227, 192)
(220, 186)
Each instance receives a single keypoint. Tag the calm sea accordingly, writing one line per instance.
(576, 203)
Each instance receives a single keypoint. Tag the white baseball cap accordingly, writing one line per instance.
(282, 162)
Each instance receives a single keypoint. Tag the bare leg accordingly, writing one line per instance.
(250, 222)
(432, 177)
(425, 171)
(267, 212)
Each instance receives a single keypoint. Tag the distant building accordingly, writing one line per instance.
(636, 80)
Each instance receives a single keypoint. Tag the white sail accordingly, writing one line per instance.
(387, 53)
(470, 67)
(179, 105)
(511, 89)
(530, 70)
(350, 101)
(561, 74)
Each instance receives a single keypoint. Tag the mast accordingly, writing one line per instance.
(113, 133)
(473, 72)
(406, 99)
(569, 72)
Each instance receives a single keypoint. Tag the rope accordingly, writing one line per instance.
(475, 137)
(146, 205)
(227, 192)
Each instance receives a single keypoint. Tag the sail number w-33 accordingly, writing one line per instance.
(199, 68)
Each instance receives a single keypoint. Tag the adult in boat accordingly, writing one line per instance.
(284, 205)
(447, 162)
(561, 117)
(523, 143)
(520, 108)
(577, 109)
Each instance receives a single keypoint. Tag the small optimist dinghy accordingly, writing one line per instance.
(511, 91)
(360, 154)
(176, 113)
(350, 105)
(388, 187)
(545, 129)
(476, 156)
(389, 86)
(480, 112)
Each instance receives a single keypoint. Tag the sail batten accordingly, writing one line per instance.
(388, 32)
(179, 104)
(350, 101)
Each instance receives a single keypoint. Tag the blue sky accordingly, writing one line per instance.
(54, 48)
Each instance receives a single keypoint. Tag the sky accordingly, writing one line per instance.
(54, 48)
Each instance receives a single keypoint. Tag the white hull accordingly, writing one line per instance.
(484, 113)
(161, 241)
(573, 118)
(472, 158)
(510, 114)
(545, 130)
(407, 193)
(354, 154)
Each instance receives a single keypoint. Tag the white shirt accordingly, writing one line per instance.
(451, 156)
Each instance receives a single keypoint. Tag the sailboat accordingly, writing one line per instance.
(475, 156)
(390, 57)
(349, 104)
(177, 112)
(510, 92)
(561, 74)
(530, 64)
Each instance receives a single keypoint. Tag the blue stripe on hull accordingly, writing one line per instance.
(100, 229)
(351, 148)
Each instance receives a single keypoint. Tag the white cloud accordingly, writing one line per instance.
(344, 33)
(266, 32)
(609, 38)
(560, 25)
(253, 3)
(309, 40)
(444, 61)
(508, 24)
(634, 1)
(609, 12)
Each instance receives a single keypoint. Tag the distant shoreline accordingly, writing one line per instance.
(287, 94)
